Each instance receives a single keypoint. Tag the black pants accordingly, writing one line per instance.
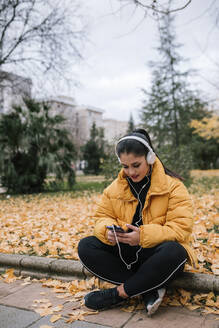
(156, 267)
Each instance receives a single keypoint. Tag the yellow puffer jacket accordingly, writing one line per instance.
(167, 213)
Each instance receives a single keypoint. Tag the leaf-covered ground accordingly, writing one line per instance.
(45, 225)
(51, 225)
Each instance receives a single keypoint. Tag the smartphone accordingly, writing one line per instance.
(117, 228)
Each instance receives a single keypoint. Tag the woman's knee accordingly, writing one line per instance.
(174, 250)
(88, 246)
(173, 256)
(84, 246)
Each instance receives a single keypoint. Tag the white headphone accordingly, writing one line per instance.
(151, 156)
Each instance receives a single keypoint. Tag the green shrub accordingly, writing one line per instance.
(34, 144)
(110, 165)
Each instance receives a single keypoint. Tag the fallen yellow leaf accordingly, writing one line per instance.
(44, 312)
(9, 276)
(57, 308)
(192, 307)
(129, 308)
(55, 317)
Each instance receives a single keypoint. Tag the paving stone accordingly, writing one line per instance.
(62, 324)
(46, 321)
(22, 297)
(166, 317)
(7, 289)
(182, 310)
(211, 321)
(16, 318)
(68, 308)
(25, 298)
(82, 324)
(112, 317)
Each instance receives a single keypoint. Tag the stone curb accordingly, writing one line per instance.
(66, 270)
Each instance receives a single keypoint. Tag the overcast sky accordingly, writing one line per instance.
(121, 44)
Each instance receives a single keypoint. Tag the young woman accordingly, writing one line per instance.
(142, 231)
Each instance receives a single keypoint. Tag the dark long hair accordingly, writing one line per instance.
(137, 148)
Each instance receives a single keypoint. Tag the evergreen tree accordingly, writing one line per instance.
(34, 144)
(131, 124)
(93, 150)
(110, 166)
(171, 105)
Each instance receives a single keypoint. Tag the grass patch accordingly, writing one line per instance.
(89, 178)
(86, 185)
(204, 185)
(94, 186)
(204, 173)
(79, 189)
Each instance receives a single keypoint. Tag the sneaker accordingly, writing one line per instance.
(103, 298)
(153, 300)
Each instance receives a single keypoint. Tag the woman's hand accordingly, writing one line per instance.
(111, 237)
(131, 238)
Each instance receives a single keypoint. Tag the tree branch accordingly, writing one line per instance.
(154, 8)
(48, 36)
(14, 7)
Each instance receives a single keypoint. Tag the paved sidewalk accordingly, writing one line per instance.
(17, 311)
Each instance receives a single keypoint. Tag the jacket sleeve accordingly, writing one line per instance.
(178, 224)
(104, 216)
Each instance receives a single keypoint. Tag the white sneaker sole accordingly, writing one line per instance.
(152, 308)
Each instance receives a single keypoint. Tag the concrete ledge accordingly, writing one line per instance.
(36, 263)
(67, 267)
(197, 281)
(11, 259)
(35, 274)
(43, 267)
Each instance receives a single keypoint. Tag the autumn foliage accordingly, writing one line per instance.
(47, 225)
(52, 224)
(207, 128)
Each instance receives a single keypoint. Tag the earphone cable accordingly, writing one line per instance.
(120, 253)
(140, 218)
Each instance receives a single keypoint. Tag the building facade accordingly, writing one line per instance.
(114, 129)
(79, 118)
(86, 116)
(66, 107)
(13, 88)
